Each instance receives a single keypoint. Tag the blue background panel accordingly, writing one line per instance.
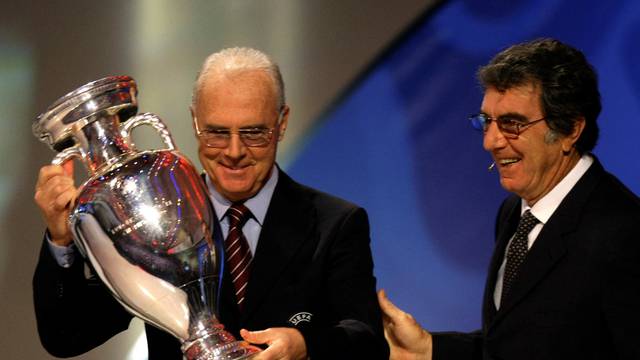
(398, 143)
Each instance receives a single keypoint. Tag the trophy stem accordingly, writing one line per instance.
(104, 130)
(215, 343)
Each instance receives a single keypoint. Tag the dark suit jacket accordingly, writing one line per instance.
(577, 294)
(312, 270)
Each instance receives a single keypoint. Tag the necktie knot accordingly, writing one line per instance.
(238, 215)
(527, 222)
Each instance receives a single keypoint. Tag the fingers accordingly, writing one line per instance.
(47, 172)
(55, 191)
(66, 197)
(406, 338)
(283, 343)
(260, 337)
(255, 337)
(388, 308)
(394, 319)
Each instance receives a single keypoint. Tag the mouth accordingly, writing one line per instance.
(508, 161)
(235, 168)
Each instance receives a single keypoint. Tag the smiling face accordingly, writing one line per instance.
(532, 164)
(238, 101)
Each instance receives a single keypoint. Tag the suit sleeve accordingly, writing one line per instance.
(458, 346)
(73, 314)
(621, 287)
(357, 331)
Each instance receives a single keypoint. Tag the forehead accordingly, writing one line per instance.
(523, 99)
(247, 95)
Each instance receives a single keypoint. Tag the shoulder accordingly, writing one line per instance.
(603, 214)
(612, 211)
(602, 195)
(612, 191)
(322, 201)
(325, 208)
(604, 189)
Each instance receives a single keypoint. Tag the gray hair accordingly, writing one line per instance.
(568, 85)
(239, 59)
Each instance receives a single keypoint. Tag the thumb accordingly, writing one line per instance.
(386, 305)
(255, 337)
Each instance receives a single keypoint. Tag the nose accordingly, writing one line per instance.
(493, 138)
(236, 148)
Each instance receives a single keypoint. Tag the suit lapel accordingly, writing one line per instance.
(551, 244)
(286, 228)
(509, 217)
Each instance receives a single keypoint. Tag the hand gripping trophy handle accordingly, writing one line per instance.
(143, 218)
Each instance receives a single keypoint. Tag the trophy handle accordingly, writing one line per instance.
(67, 154)
(147, 119)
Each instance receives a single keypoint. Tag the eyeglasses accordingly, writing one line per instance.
(510, 127)
(251, 137)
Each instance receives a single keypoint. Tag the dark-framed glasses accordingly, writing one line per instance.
(250, 136)
(510, 126)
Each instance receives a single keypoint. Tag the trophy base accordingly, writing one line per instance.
(218, 344)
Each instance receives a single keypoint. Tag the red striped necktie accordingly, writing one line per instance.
(238, 254)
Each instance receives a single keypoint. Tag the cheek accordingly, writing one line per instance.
(537, 161)
(207, 155)
(264, 155)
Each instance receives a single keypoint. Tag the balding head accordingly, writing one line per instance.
(233, 61)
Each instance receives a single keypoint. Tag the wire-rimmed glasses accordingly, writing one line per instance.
(510, 127)
(250, 136)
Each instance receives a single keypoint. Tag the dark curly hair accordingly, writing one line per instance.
(569, 84)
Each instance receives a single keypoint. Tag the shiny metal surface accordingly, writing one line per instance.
(107, 96)
(143, 218)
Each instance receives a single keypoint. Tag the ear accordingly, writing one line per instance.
(193, 118)
(569, 141)
(283, 122)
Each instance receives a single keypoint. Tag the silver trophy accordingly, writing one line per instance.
(143, 218)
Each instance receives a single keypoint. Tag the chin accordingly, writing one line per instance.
(508, 185)
(239, 188)
(235, 188)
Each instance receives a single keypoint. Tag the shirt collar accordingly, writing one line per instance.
(258, 204)
(547, 205)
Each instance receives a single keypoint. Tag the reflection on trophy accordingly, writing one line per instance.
(143, 218)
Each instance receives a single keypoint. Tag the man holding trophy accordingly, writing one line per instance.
(298, 272)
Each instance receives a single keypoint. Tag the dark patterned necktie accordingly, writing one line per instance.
(517, 251)
(238, 254)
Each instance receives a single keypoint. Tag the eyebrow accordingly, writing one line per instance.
(213, 127)
(514, 116)
(510, 115)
